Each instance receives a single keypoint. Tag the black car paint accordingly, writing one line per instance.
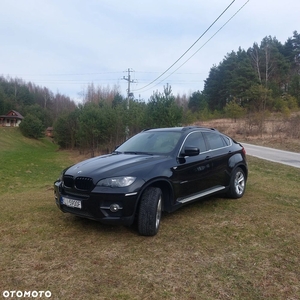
(182, 179)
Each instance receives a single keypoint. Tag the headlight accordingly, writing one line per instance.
(117, 182)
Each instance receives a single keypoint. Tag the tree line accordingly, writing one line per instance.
(38, 104)
(99, 125)
(252, 83)
(266, 76)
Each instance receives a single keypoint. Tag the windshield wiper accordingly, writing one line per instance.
(137, 152)
(116, 152)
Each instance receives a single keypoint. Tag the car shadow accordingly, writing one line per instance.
(91, 226)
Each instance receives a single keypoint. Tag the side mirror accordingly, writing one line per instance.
(190, 151)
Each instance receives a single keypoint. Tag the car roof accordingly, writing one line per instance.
(181, 129)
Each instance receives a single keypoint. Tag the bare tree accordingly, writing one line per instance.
(254, 54)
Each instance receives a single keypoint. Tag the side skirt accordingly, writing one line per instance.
(202, 194)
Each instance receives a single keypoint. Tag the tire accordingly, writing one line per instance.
(237, 184)
(150, 212)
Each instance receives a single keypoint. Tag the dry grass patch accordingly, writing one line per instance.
(213, 249)
(278, 132)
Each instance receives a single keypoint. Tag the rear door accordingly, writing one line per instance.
(219, 152)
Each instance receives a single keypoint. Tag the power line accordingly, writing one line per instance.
(65, 74)
(203, 44)
(188, 48)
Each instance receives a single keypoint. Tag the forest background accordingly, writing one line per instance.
(252, 84)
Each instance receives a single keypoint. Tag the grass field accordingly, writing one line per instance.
(213, 249)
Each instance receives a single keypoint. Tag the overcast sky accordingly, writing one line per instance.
(65, 45)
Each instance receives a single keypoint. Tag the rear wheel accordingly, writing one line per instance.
(237, 184)
(150, 211)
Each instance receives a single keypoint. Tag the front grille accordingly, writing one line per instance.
(79, 183)
(68, 181)
(84, 183)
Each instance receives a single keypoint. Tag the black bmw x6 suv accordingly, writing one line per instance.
(155, 171)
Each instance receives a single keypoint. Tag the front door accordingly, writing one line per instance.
(193, 174)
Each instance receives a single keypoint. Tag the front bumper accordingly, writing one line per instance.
(99, 203)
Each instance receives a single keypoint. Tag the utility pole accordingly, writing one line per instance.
(129, 94)
(128, 79)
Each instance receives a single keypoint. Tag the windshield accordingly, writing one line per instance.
(159, 142)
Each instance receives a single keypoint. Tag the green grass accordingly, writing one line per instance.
(213, 249)
(28, 163)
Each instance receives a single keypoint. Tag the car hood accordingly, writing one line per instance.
(139, 165)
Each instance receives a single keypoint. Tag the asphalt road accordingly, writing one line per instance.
(278, 156)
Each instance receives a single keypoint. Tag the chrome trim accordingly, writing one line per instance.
(210, 150)
(202, 194)
(130, 194)
(108, 207)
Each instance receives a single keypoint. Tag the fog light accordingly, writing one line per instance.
(114, 207)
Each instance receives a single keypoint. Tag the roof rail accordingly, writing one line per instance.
(200, 127)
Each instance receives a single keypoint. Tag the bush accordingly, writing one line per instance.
(32, 127)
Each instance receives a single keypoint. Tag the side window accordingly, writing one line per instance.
(215, 141)
(195, 139)
(226, 140)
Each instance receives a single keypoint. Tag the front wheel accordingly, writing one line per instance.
(150, 211)
(237, 184)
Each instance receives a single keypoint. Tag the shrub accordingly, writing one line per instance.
(32, 127)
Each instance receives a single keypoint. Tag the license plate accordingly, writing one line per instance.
(71, 202)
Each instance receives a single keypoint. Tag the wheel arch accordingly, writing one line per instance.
(167, 192)
(238, 161)
(244, 168)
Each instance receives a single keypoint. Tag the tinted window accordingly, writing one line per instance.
(151, 142)
(226, 140)
(195, 139)
(215, 141)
